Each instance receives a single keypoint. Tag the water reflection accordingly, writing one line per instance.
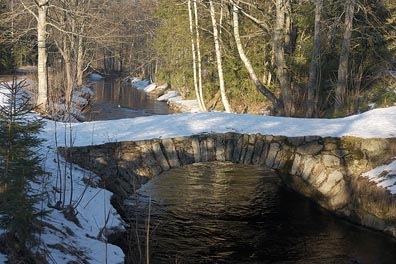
(115, 99)
(225, 213)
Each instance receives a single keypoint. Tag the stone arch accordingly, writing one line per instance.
(324, 169)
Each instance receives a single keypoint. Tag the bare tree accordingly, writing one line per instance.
(199, 58)
(315, 63)
(42, 70)
(194, 56)
(342, 81)
(280, 44)
(264, 90)
(219, 58)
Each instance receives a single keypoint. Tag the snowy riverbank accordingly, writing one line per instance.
(64, 241)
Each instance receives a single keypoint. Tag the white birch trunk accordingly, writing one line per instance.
(194, 56)
(42, 73)
(267, 93)
(219, 59)
(199, 60)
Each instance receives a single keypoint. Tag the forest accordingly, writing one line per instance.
(286, 57)
(292, 58)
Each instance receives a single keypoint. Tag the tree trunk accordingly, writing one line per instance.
(42, 72)
(80, 58)
(342, 81)
(264, 90)
(280, 60)
(219, 59)
(313, 69)
(194, 56)
(199, 59)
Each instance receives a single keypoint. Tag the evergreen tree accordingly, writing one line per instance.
(19, 167)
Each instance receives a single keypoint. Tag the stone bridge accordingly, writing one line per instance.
(327, 170)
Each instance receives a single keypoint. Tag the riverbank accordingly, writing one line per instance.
(162, 93)
(64, 241)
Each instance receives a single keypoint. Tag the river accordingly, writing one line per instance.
(227, 213)
(115, 99)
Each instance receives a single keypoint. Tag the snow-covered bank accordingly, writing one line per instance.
(384, 176)
(65, 241)
(3, 258)
(176, 102)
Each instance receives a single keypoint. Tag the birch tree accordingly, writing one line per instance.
(219, 58)
(42, 70)
(194, 56)
(263, 89)
(199, 58)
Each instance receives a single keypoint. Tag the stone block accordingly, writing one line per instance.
(148, 158)
(273, 151)
(296, 167)
(330, 161)
(211, 148)
(258, 149)
(170, 153)
(264, 153)
(203, 149)
(230, 142)
(160, 157)
(311, 148)
(332, 180)
(236, 155)
(196, 149)
(245, 144)
(308, 164)
(296, 141)
(220, 148)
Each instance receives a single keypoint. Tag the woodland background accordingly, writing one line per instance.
(319, 58)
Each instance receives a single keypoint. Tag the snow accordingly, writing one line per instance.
(384, 176)
(63, 240)
(377, 123)
(140, 84)
(149, 88)
(93, 210)
(3, 258)
(167, 96)
(86, 91)
(95, 77)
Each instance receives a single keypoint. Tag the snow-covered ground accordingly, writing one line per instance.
(95, 207)
(3, 258)
(384, 176)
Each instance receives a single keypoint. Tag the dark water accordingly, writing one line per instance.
(115, 99)
(227, 213)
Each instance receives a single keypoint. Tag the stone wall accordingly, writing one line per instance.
(325, 169)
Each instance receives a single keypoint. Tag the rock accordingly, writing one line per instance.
(311, 148)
